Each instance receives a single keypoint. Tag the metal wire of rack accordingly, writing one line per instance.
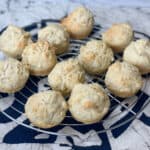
(69, 121)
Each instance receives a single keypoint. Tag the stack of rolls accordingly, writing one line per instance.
(87, 102)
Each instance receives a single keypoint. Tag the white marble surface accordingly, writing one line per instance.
(22, 13)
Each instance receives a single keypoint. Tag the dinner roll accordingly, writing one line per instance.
(88, 103)
(57, 37)
(138, 54)
(79, 23)
(95, 56)
(13, 40)
(123, 79)
(13, 75)
(40, 58)
(118, 36)
(65, 75)
(46, 109)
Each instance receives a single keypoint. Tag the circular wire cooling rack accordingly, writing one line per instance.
(122, 111)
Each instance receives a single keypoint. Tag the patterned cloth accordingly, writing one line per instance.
(79, 137)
